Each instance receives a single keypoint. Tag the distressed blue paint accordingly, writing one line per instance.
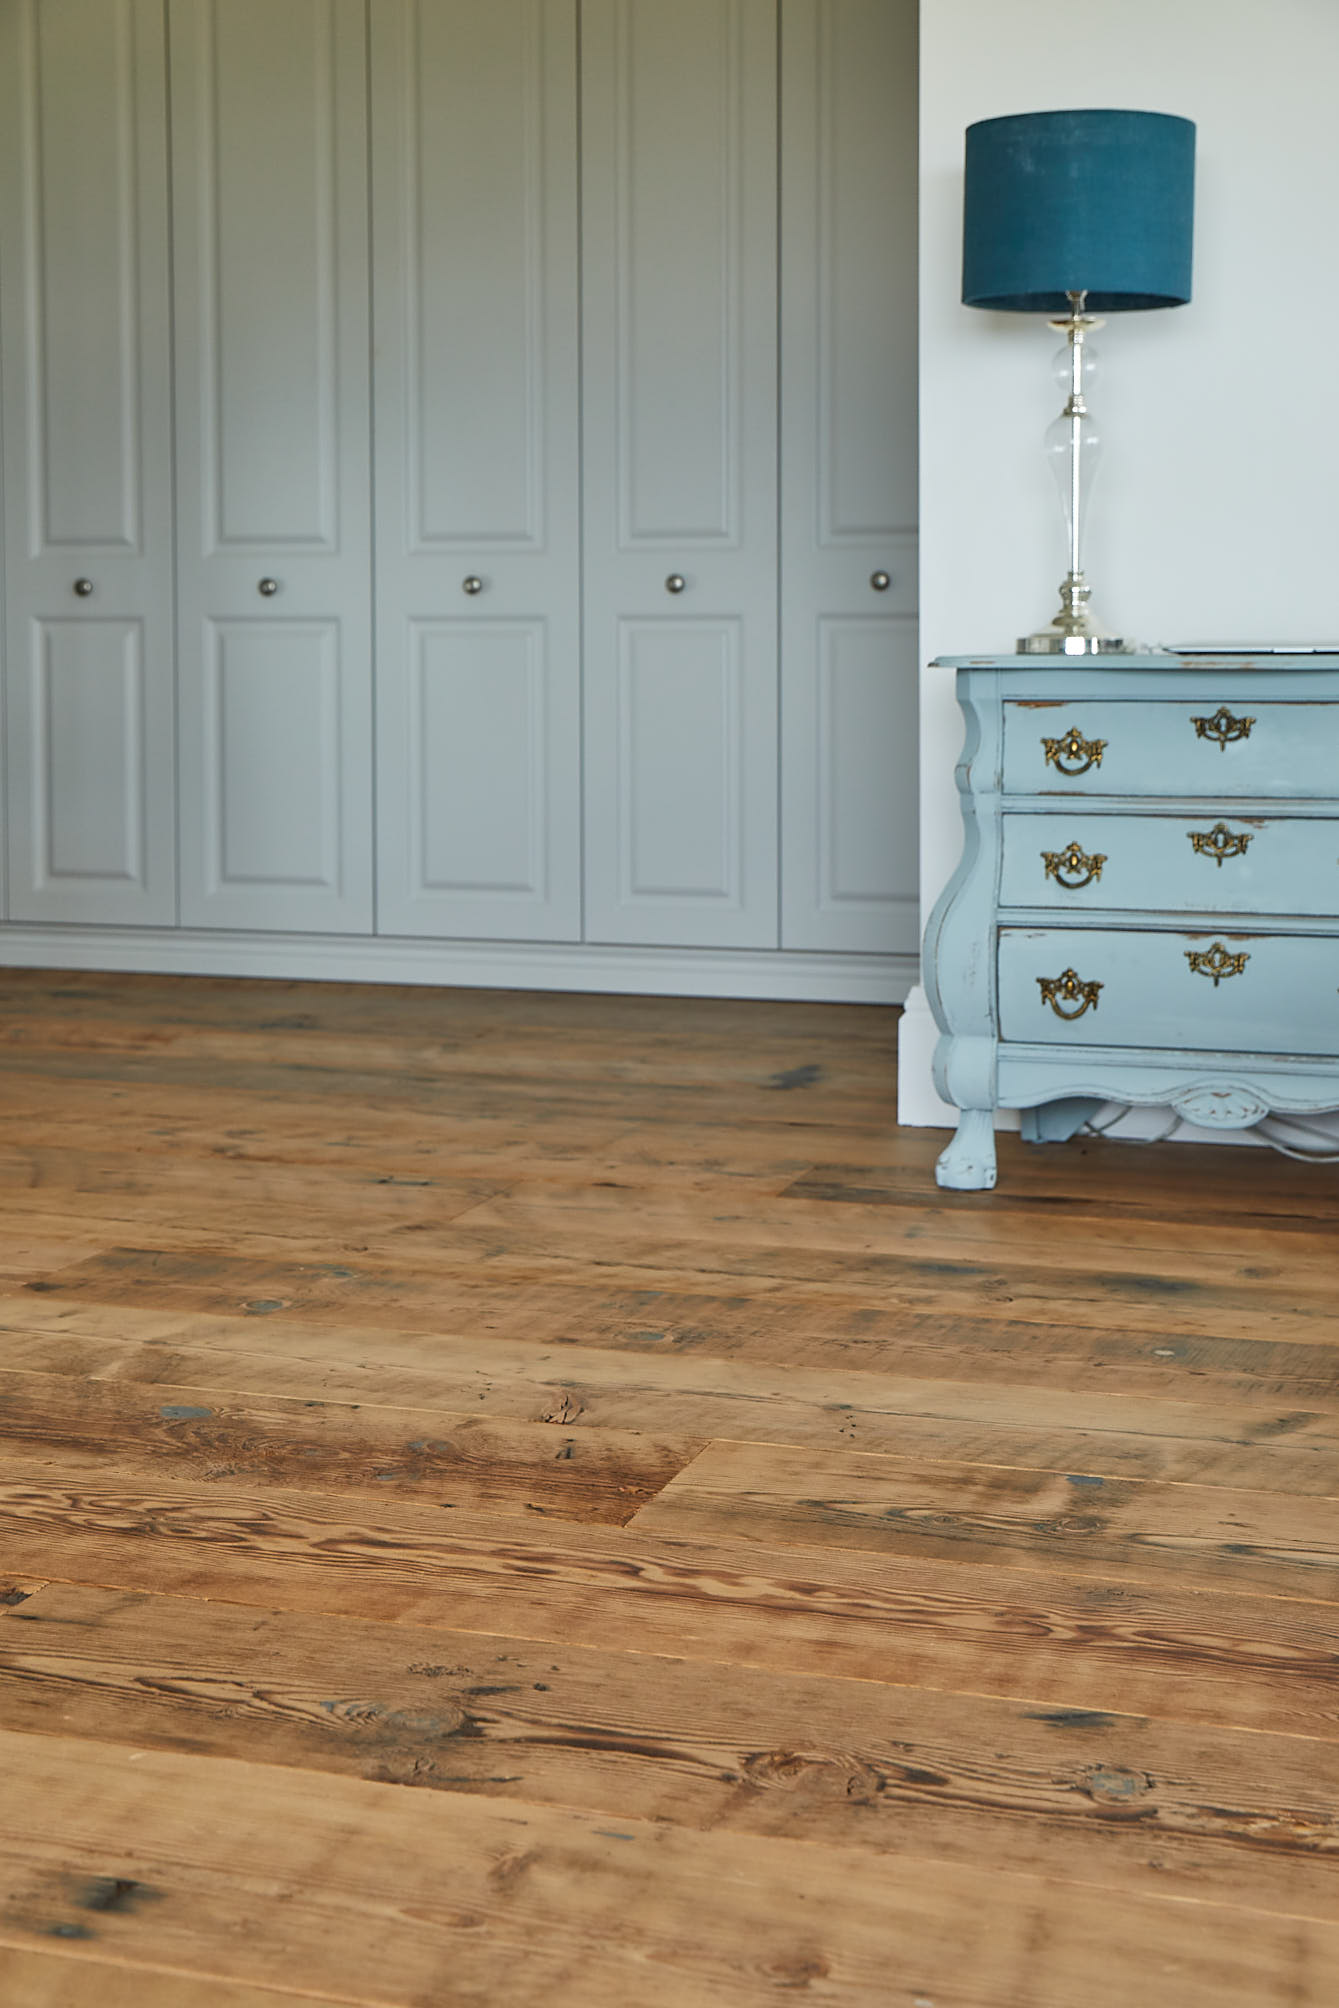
(1222, 1054)
(1286, 996)
(1153, 748)
(1289, 864)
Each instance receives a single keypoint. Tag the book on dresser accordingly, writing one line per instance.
(1147, 905)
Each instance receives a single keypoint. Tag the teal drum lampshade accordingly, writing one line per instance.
(1093, 202)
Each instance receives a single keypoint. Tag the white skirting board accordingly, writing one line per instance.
(919, 1107)
(492, 965)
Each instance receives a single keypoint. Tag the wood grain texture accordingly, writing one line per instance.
(15, 1591)
(294, 1880)
(492, 1250)
(1252, 1662)
(1085, 1523)
(1230, 1440)
(748, 1317)
(364, 1453)
(1167, 1808)
(56, 1980)
(515, 1500)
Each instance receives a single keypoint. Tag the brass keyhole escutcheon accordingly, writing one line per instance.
(1069, 990)
(1218, 962)
(1073, 867)
(1073, 754)
(1219, 842)
(1222, 728)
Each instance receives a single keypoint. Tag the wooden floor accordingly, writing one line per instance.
(514, 1500)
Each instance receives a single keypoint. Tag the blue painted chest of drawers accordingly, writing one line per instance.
(1147, 906)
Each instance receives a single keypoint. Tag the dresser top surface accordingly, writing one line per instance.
(1262, 663)
(1065, 679)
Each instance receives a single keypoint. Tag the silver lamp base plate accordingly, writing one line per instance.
(1052, 642)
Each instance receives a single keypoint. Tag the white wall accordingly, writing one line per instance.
(1216, 511)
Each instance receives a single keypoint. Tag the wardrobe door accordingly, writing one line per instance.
(87, 475)
(474, 152)
(271, 282)
(679, 339)
(848, 475)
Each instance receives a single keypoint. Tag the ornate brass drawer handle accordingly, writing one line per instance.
(1219, 843)
(1068, 988)
(1073, 867)
(1216, 962)
(1081, 753)
(1222, 727)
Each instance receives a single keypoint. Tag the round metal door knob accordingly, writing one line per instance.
(675, 583)
(83, 587)
(268, 588)
(473, 584)
(880, 581)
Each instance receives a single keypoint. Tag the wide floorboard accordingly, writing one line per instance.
(516, 1500)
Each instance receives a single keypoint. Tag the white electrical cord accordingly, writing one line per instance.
(1095, 1128)
(1268, 1126)
(1266, 1129)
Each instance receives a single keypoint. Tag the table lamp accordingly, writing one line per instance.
(1089, 211)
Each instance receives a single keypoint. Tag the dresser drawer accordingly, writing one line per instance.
(1206, 748)
(1245, 993)
(1215, 862)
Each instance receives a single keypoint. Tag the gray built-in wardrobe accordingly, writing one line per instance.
(459, 490)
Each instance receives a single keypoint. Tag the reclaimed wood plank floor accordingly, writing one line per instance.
(511, 1500)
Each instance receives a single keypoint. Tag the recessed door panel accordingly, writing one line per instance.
(481, 733)
(848, 475)
(473, 128)
(274, 731)
(478, 509)
(680, 762)
(267, 255)
(679, 240)
(84, 391)
(862, 201)
(677, 192)
(87, 758)
(271, 277)
(865, 767)
(82, 279)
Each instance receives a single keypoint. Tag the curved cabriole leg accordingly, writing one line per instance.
(968, 1165)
